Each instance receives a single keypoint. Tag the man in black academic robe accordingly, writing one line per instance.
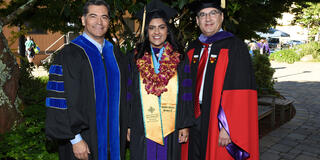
(86, 103)
(227, 119)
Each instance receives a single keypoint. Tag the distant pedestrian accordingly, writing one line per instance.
(29, 44)
(265, 47)
(253, 46)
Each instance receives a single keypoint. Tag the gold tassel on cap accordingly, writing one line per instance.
(143, 23)
(223, 4)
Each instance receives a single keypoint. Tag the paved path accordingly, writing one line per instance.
(298, 139)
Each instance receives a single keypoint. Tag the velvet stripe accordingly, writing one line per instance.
(114, 80)
(129, 96)
(102, 96)
(129, 83)
(216, 37)
(187, 69)
(187, 97)
(56, 69)
(55, 86)
(187, 83)
(57, 103)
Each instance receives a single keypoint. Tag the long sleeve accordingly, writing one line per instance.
(130, 60)
(64, 114)
(185, 103)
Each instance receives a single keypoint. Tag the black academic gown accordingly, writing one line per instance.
(72, 68)
(184, 116)
(239, 75)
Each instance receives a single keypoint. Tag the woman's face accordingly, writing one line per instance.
(157, 32)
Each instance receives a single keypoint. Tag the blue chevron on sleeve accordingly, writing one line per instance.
(57, 103)
(56, 86)
(56, 69)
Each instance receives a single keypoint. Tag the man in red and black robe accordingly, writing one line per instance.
(225, 92)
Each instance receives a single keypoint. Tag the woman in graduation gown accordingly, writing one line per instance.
(161, 91)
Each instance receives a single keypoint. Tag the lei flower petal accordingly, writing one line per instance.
(156, 83)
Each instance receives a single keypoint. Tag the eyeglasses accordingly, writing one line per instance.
(211, 14)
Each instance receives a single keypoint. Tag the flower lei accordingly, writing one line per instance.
(156, 83)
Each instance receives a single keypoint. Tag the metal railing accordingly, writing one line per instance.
(45, 52)
(48, 59)
(67, 40)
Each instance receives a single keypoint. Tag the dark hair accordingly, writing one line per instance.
(145, 45)
(97, 3)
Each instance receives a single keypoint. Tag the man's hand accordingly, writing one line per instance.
(81, 150)
(224, 138)
(128, 134)
(183, 135)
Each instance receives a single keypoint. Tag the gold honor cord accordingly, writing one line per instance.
(159, 121)
(223, 4)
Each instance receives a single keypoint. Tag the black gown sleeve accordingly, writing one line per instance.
(185, 113)
(130, 85)
(65, 104)
(240, 73)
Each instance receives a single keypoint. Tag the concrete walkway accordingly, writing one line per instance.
(298, 139)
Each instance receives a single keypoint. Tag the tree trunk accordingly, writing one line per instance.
(9, 77)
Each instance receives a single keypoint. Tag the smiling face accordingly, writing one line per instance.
(210, 21)
(96, 22)
(157, 32)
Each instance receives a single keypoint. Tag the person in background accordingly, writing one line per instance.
(29, 46)
(265, 47)
(225, 108)
(86, 106)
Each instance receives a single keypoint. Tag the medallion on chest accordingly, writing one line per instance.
(212, 58)
(195, 58)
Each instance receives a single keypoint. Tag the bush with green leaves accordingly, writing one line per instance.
(263, 74)
(312, 48)
(27, 139)
(286, 55)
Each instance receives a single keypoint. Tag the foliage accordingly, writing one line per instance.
(27, 140)
(286, 55)
(263, 73)
(312, 48)
(63, 16)
(308, 15)
(32, 90)
(297, 52)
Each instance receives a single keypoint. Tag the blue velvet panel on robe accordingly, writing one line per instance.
(107, 93)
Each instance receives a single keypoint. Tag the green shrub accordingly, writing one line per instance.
(263, 74)
(286, 55)
(27, 139)
(312, 48)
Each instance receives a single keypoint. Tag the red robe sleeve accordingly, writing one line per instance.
(234, 90)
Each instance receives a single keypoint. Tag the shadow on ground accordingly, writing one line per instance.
(306, 99)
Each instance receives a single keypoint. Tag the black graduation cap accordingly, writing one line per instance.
(198, 5)
(157, 5)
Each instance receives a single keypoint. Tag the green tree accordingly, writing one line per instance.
(243, 17)
(308, 15)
